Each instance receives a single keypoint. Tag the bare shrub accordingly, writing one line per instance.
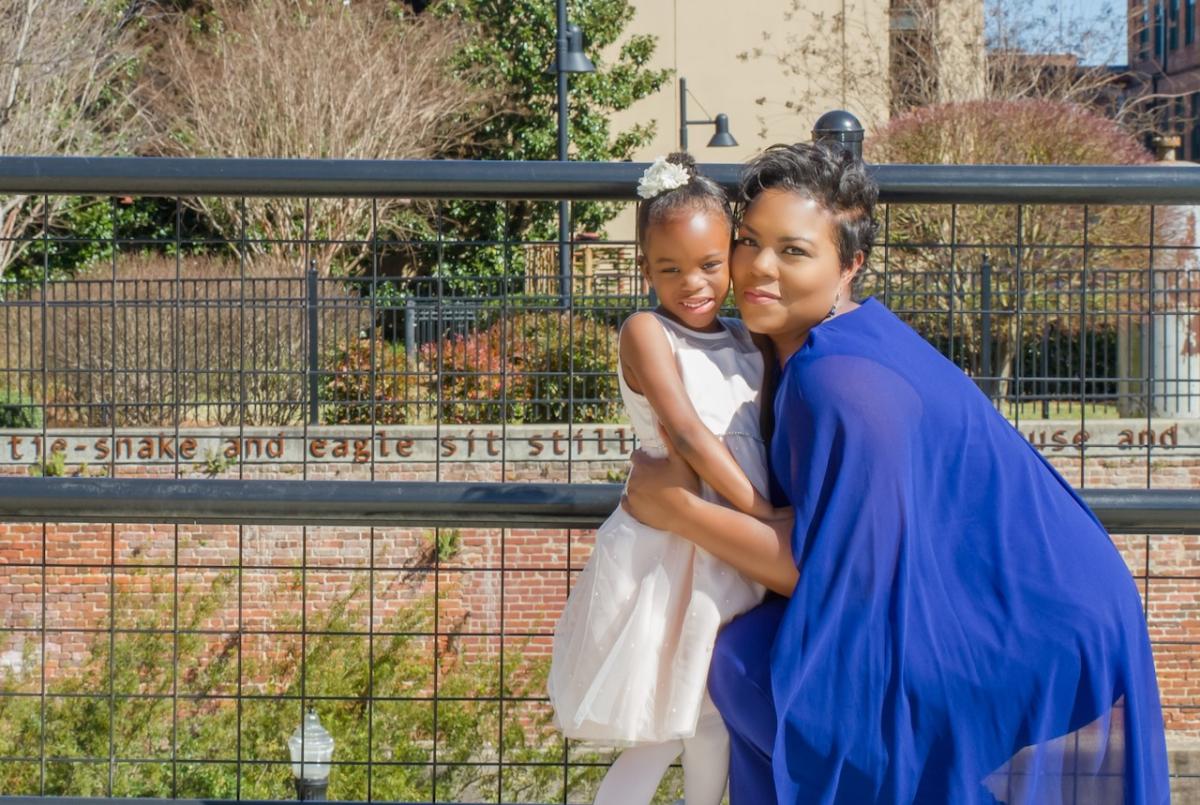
(313, 79)
(61, 68)
(940, 51)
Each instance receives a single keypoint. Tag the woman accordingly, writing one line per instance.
(958, 628)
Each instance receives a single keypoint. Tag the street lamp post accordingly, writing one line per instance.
(568, 58)
(721, 137)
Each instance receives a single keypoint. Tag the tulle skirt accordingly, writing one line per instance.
(634, 642)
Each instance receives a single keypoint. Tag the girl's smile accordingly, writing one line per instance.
(686, 261)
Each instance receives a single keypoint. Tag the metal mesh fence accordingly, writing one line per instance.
(175, 660)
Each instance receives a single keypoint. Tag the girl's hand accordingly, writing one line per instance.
(660, 488)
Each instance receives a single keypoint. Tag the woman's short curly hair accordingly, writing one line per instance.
(829, 175)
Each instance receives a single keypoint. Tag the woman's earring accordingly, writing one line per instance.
(833, 310)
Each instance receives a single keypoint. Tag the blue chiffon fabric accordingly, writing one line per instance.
(963, 630)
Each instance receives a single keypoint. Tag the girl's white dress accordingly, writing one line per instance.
(633, 644)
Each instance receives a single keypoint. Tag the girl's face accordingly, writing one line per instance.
(786, 269)
(686, 259)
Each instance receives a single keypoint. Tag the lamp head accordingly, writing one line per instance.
(574, 60)
(722, 138)
(311, 748)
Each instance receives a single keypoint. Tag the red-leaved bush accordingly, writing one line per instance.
(528, 367)
(1037, 254)
(1017, 132)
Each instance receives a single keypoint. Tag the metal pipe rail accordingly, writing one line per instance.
(51, 800)
(933, 184)
(429, 504)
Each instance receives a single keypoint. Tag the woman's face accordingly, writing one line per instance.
(786, 270)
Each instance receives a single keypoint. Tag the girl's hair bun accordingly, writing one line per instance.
(674, 184)
(684, 160)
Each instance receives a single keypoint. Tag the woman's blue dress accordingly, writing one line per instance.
(963, 629)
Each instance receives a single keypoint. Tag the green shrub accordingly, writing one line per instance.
(19, 410)
(565, 368)
(381, 682)
(54, 466)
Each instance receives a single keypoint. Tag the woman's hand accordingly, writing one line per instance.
(659, 489)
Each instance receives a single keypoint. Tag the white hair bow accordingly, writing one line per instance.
(660, 177)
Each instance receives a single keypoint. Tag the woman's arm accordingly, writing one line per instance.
(664, 493)
(649, 368)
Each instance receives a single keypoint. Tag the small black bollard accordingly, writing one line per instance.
(840, 128)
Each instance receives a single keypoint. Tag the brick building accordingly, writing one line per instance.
(1164, 57)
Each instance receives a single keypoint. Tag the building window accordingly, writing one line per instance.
(1143, 36)
(1173, 25)
(1158, 26)
(1189, 22)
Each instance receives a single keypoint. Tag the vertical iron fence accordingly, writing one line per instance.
(427, 341)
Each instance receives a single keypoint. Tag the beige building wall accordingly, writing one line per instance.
(961, 57)
(701, 40)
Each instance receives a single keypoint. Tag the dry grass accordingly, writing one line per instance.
(211, 344)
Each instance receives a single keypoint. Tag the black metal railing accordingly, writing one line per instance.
(1043, 319)
(444, 504)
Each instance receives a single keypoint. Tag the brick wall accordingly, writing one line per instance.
(486, 581)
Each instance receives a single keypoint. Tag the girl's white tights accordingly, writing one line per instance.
(635, 775)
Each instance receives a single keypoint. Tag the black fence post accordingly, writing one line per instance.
(840, 128)
(312, 299)
(988, 383)
(1045, 371)
(410, 329)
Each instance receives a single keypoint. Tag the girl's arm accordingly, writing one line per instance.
(649, 368)
(664, 493)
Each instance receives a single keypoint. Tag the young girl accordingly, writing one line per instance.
(632, 648)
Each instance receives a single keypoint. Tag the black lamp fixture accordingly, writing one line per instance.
(721, 137)
(568, 58)
(573, 59)
(311, 749)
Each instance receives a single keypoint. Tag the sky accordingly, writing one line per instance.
(1063, 20)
